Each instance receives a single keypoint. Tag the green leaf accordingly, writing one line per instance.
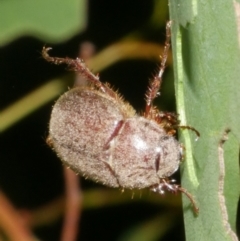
(206, 67)
(50, 20)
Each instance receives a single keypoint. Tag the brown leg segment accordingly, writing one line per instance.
(167, 184)
(155, 84)
(79, 66)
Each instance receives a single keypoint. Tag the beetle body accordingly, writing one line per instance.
(103, 139)
(100, 136)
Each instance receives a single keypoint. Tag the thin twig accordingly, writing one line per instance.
(11, 222)
(73, 206)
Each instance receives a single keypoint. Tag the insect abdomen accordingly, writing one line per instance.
(91, 134)
(81, 122)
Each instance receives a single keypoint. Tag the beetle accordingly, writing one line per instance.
(99, 135)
